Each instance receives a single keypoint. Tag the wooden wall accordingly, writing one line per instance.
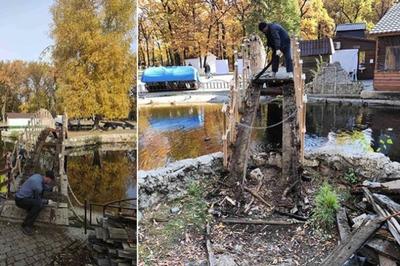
(386, 80)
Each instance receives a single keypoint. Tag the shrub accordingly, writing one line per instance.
(326, 205)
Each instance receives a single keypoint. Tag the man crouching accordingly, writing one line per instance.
(29, 197)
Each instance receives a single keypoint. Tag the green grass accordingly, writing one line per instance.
(192, 217)
(326, 205)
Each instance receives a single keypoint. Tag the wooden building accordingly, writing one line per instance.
(352, 36)
(313, 50)
(387, 34)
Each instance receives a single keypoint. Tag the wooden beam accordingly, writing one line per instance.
(290, 138)
(356, 240)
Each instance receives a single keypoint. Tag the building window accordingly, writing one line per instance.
(392, 59)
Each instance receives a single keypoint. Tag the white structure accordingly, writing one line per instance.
(196, 63)
(348, 59)
(18, 121)
(222, 67)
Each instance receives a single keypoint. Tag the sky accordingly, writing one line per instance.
(24, 28)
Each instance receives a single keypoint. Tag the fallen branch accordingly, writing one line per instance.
(252, 198)
(257, 196)
(249, 221)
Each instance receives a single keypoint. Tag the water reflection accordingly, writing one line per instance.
(170, 133)
(102, 177)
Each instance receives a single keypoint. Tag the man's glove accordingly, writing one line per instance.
(278, 53)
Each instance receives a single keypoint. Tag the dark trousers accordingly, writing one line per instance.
(33, 206)
(288, 60)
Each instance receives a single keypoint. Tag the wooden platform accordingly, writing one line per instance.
(273, 86)
(49, 215)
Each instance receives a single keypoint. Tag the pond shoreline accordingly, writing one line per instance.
(222, 96)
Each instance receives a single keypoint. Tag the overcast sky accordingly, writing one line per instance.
(24, 28)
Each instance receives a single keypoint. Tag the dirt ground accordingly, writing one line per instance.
(173, 233)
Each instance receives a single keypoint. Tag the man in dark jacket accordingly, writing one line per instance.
(29, 197)
(278, 40)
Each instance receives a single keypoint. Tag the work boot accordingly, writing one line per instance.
(290, 75)
(27, 230)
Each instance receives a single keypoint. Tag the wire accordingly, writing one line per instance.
(270, 126)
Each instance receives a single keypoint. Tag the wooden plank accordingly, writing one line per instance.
(392, 222)
(356, 240)
(117, 233)
(258, 221)
(386, 248)
(343, 224)
(290, 138)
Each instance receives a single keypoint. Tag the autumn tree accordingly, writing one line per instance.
(349, 11)
(93, 57)
(12, 76)
(315, 20)
(39, 88)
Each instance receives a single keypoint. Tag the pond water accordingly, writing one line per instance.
(171, 133)
(101, 177)
(98, 176)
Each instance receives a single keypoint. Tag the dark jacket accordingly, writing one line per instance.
(277, 37)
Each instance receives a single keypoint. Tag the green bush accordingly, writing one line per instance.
(326, 205)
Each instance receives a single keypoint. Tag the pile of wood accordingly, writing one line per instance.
(374, 237)
(114, 241)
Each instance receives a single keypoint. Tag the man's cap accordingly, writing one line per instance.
(50, 174)
(262, 25)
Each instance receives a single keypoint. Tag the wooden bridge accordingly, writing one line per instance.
(24, 161)
(240, 112)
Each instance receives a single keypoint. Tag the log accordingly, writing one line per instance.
(258, 221)
(343, 224)
(355, 241)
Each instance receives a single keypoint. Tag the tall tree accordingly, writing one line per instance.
(92, 56)
(315, 20)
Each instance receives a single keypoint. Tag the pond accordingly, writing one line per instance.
(171, 133)
(98, 176)
(102, 177)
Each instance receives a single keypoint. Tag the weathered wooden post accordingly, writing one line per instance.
(238, 162)
(290, 137)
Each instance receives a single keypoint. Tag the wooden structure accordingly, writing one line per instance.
(387, 67)
(354, 30)
(241, 113)
(24, 161)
